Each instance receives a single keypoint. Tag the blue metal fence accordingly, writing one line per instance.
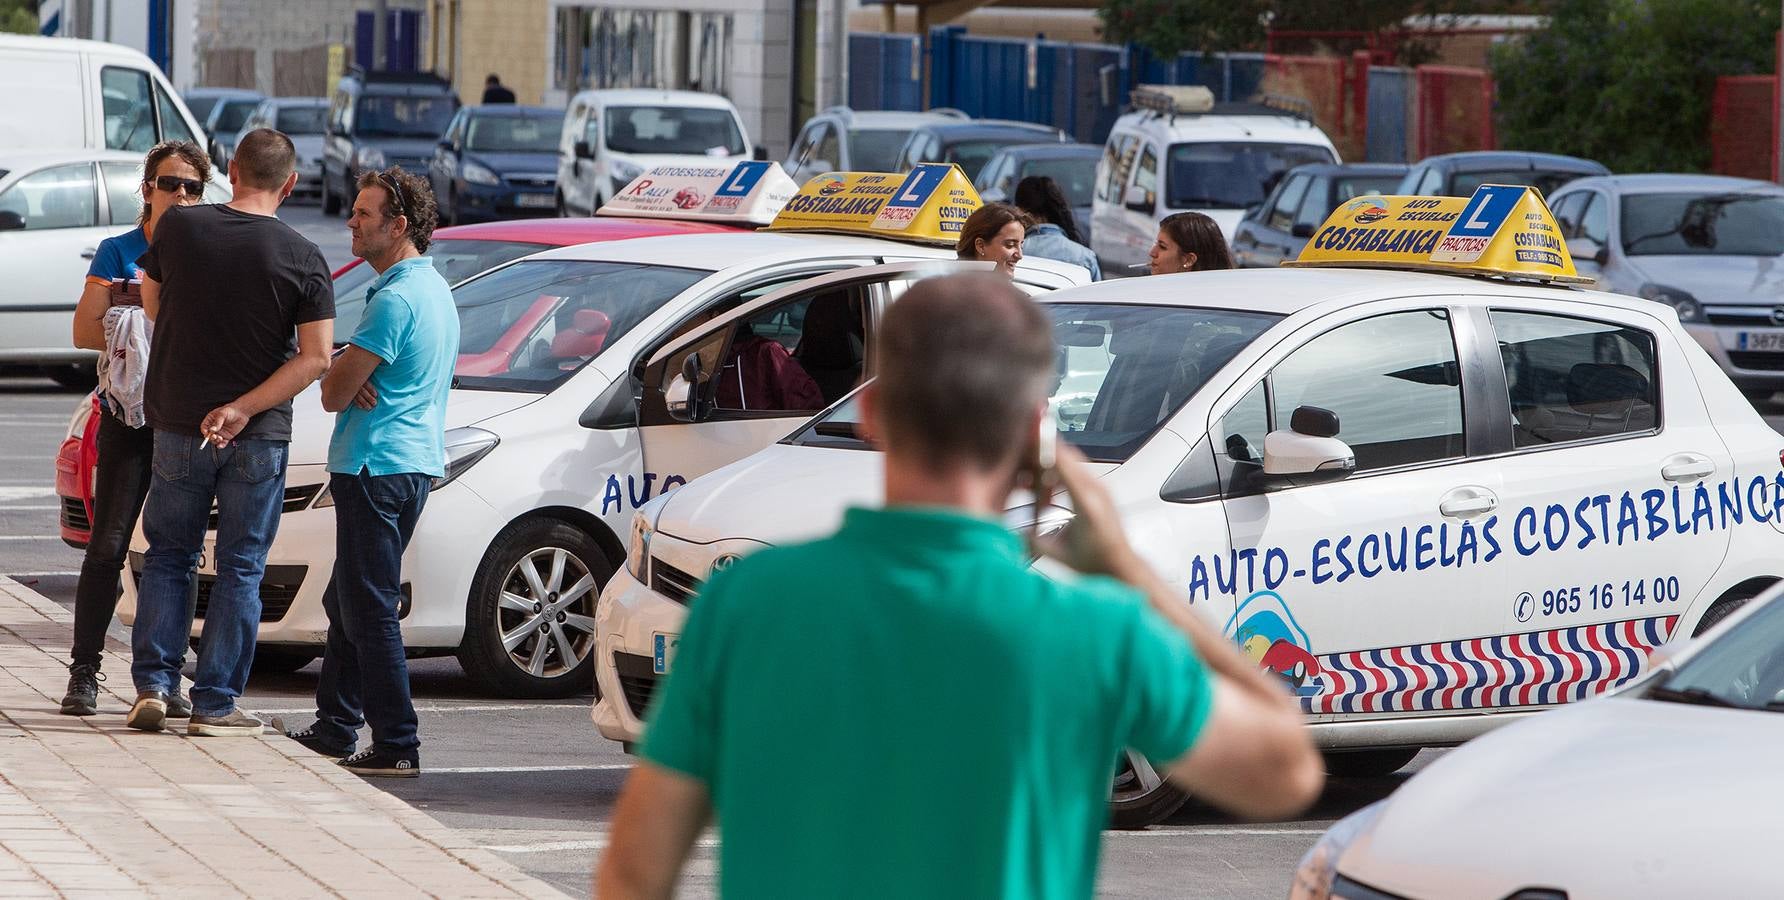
(885, 72)
(1390, 100)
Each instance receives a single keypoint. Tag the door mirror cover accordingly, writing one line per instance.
(10, 220)
(1294, 458)
(1137, 199)
(583, 150)
(1301, 230)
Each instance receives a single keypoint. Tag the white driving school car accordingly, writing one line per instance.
(544, 469)
(1428, 502)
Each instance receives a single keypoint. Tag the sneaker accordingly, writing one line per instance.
(178, 707)
(82, 698)
(149, 711)
(316, 743)
(234, 723)
(373, 762)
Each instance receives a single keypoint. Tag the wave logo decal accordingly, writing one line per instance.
(1266, 631)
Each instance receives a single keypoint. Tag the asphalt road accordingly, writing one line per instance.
(532, 780)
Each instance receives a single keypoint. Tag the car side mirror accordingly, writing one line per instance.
(1301, 230)
(759, 153)
(445, 143)
(682, 397)
(1585, 248)
(1137, 199)
(10, 220)
(584, 151)
(1309, 452)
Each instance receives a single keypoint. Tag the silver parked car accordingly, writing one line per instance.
(1710, 247)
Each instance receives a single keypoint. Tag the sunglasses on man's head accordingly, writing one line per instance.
(396, 193)
(170, 183)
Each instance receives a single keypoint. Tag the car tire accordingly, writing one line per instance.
(331, 204)
(282, 659)
(1139, 796)
(1369, 763)
(507, 648)
(1718, 611)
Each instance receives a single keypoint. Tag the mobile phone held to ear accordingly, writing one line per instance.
(1043, 475)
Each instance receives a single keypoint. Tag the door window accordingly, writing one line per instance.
(1241, 434)
(1595, 222)
(1315, 206)
(828, 152)
(1116, 156)
(129, 121)
(1431, 183)
(173, 125)
(1282, 215)
(1575, 379)
(1146, 176)
(59, 197)
(1393, 380)
(803, 147)
(796, 356)
(1567, 213)
(123, 190)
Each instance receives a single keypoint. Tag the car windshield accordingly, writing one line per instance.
(382, 115)
(1352, 186)
(1737, 224)
(673, 129)
(1742, 668)
(876, 150)
(302, 119)
(514, 134)
(1462, 184)
(454, 258)
(1120, 371)
(972, 156)
(201, 107)
(1231, 174)
(1076, 176)
(530, 326)
(233, 114)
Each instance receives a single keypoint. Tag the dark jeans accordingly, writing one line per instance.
(365, 676)
(247, 482)
(119, 486)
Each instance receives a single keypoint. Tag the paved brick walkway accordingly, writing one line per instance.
(89, 808)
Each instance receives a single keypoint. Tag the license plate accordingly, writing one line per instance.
(663, 653)
(538, 200)
(1762, 340)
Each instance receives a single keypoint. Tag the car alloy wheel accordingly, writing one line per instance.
(529, 618)
(1140, 796)
(546, 614)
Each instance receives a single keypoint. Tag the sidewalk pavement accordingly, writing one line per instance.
(91, 808)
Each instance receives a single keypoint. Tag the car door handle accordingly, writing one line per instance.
(89, 252)
(1468, 500)
(1688, 467)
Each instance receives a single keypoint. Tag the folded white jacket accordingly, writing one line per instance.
(125, 364)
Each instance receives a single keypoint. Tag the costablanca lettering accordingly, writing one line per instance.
(1593, 520)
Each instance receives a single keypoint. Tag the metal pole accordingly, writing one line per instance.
(380, 34)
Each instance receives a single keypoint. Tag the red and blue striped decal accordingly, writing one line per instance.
(1536, 668)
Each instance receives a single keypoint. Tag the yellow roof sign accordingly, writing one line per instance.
(735, 193)
(928, 204)
(1503, 230)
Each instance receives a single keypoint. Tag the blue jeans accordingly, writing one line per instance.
(365, 675)
(247, 481)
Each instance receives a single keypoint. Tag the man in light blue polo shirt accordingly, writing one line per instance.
(389, 386)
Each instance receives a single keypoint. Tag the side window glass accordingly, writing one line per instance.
(1239, 435)
(1393, 380)
(1315, 206)
(828, 152)
(1431, 184)
(1575, 379)
(591, 131)
(778, 355)
(1567, 214)
(129, 121)
(1146, 176)
(123, 190)
(1595, 222)
(173, 125)
(1282, 216)
(803, 146)
(60, 197)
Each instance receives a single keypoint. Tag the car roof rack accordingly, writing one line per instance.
(1172, 99)
(387, 77)
(950, 112)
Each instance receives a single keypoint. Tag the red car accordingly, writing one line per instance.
(458, 252)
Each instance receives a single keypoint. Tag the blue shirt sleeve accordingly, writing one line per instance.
(108, 262)
(387, 325)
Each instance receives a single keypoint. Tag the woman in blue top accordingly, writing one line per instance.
(175, 172)
(1055, 233)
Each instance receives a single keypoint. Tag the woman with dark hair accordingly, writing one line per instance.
(1055, 233)
(1189, 242)
(174, 174)
(994, 233)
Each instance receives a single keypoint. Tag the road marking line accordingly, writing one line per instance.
(500, 707)
(30, 537)
(37, 508)
(600, 843)
(26, 493)
(499, 770)
(1215, 832)
(38, 574)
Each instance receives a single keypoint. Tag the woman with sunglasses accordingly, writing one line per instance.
(174, 173)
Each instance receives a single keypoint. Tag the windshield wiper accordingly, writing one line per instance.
(1204, 202)
(837, 429)
(1696, 696)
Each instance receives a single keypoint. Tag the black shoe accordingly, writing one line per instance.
(149, 711)
(82, 698)
(372, 762)
(316, 743)
(178, 707)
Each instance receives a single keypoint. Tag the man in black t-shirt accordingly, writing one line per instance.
(244, 317)
(496, 92)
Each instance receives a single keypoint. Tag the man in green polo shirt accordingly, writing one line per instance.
(906, 709)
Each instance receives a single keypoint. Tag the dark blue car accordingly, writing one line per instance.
(497, 162)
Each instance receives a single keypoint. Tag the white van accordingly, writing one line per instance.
(612, 136)
(63, 93)
(1179, 152)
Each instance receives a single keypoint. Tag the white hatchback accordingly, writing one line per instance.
(1428, 503)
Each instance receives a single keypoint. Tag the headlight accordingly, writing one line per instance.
(638, 548)
(464, 447)
(1318, 870)
(1688, 308)
(369, 158)
(480, 174)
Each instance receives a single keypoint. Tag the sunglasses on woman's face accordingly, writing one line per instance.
(170, 183)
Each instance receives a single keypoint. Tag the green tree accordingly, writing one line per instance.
(18, 16)
(1169, 27)
(1629, 82)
